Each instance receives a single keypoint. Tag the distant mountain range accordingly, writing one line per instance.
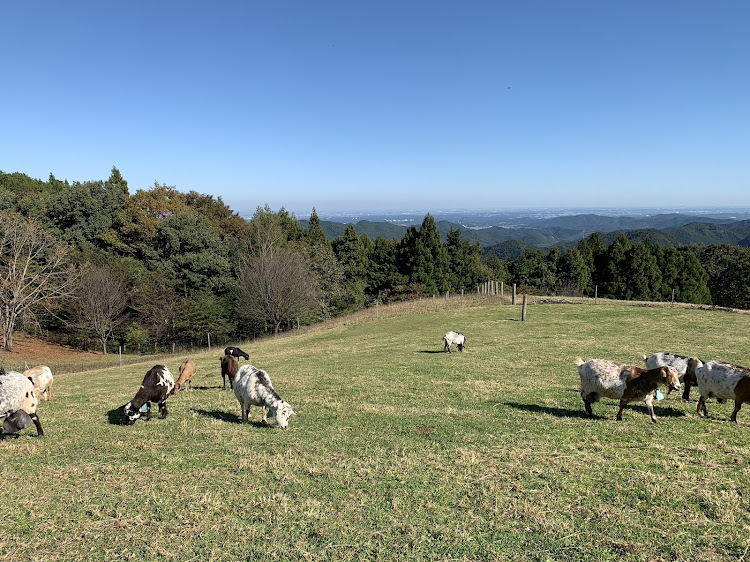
(667, 230)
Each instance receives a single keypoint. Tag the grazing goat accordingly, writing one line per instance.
(253, 387)
(454, 337)
(722, 380)
(18, 403)
(157, 385)
(42, 377)
(187, 370)
(600, 377)
(236, 352)
(229, 367)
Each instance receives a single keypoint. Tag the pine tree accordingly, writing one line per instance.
(615, 283)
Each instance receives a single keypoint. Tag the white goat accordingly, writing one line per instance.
(253, 387)
(454, 337)
(18, 402)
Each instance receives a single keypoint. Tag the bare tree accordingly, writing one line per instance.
(276, 284)
(35, 272)
(101, 303)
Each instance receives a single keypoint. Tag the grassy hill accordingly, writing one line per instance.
(399, 451)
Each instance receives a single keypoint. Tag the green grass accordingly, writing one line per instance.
(398, 452)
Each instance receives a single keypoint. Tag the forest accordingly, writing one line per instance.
(90, 265)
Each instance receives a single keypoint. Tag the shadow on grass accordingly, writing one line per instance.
(117, 416)
(432, 351)
(557, 412)
(667, 412)
(204, 388)
(226, 417)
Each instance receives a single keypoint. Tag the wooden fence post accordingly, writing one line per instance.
(514, 293)
(523, 309)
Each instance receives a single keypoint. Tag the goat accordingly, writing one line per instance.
(229, 367)
(253, 387)
(601, 377)
(236, 352)
(722, 380)
(683, 366)
(187, 370)
(18, 403)
(454, 337)
(42, 377)
(157, 385)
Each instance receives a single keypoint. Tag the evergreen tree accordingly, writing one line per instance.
(642, 274)
(431, 265)
(575, 271)
(315, 234)
(351, 252)
(465, 261)
(383, 277)
(693, 281)
(615, 283)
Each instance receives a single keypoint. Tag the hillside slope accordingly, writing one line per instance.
(398, 450)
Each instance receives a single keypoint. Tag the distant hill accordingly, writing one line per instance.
(566, 231)
(372, 229)
(600, 223)
(510, 250)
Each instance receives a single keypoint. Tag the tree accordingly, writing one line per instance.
(642, 274)
(190, 247)
(425, 259)
(617, 268)
(315, 233)
(465, 259)
(693, 281)
(276, 284)
(35, 272)
(101, 303)
(575, 271)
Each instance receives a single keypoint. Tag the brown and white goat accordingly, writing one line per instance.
(42, 377)
(156, 387)
(187, 370)
(601, 377)
(229, 367)
(722, 380)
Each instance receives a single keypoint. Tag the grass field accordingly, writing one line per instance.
(399, 451)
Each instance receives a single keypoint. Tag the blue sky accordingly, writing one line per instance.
(355, 105)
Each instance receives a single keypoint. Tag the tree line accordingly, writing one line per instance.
(91, 264)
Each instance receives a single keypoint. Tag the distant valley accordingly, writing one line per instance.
(518, 232)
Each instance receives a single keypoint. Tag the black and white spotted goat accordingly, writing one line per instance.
(18, 403)
(156, 387)
(253, 387)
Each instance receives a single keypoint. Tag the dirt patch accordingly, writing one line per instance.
(35, 351)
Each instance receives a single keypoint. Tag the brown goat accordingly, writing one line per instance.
(229, 367)
(41, 375)
(187, 370)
